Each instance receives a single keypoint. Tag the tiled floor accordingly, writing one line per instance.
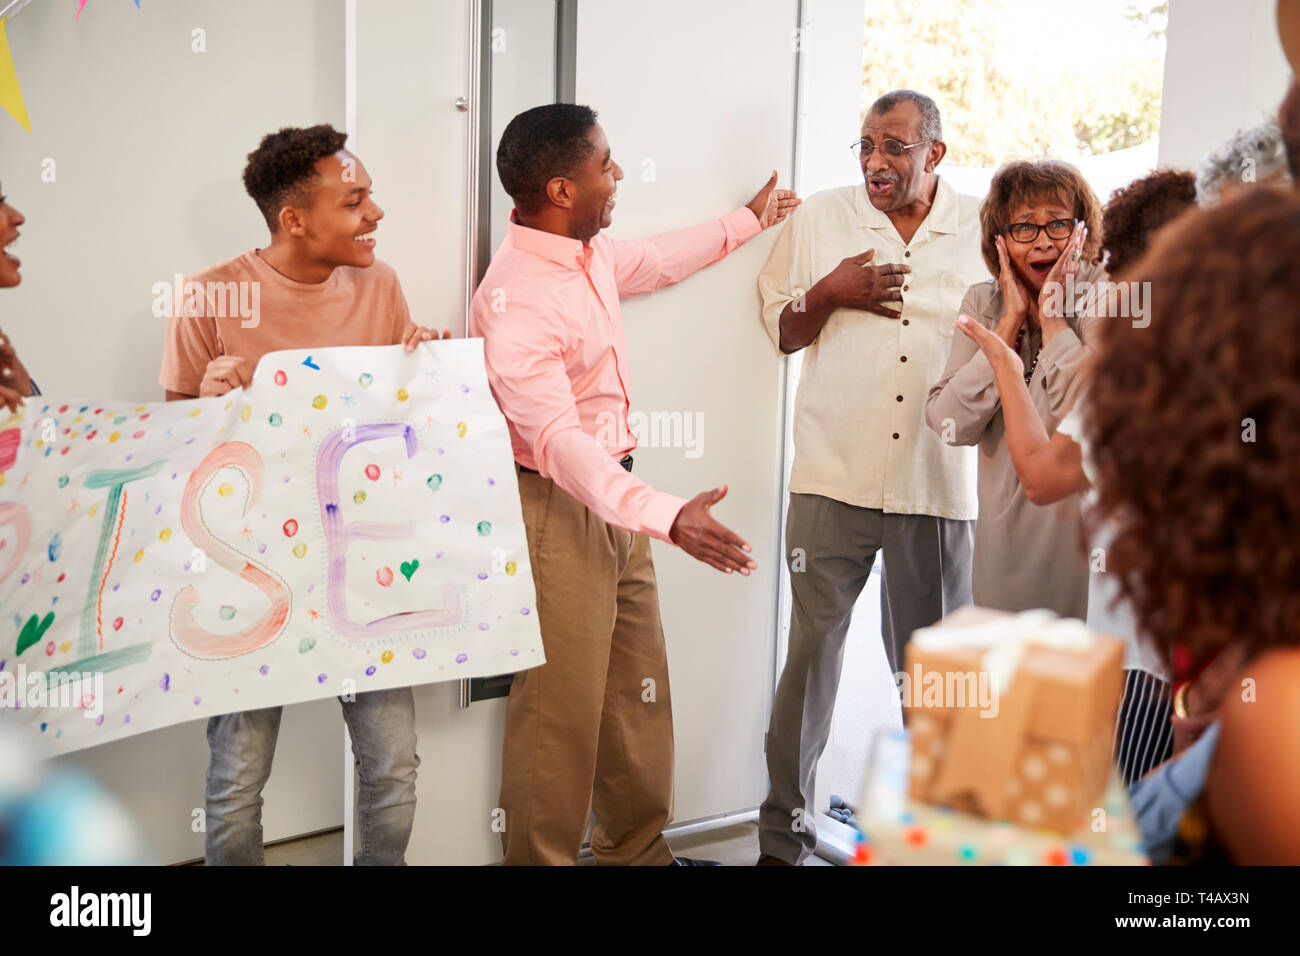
(735, 845)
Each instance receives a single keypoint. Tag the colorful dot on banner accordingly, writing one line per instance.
(226, 613)
(165, 534)
(483, 625)
(63, 481)
(482, 575)
(197, 701)
(119, 419)
(365, 379)
(94, 510)
(967, 852)
(403, 394)
(359, 498)
(434, 482)
(1079, 856)
(321, 678)
(275, 420)
(194, 414)
(114, 437)
(461, 429)
(418, 653)
(484, 528)
(320, 401)
(49, 649)
(246, 412)
(372, 472)
(64, 647)
(166, 682)
(370, 671)
(290, 528)
(280, 377)
(56, 547)
(225, 489)
(137, 436)
(461, 658)
(117, 623)
(916, 836)
(384, 576)
(386, 657)
(91, 434)
(299, 550)
(1055, 856)
(444, 518)
(862, 856)
(155, 594)
(1018, 856)
(138, 556)
(511, 568)
(524, 611)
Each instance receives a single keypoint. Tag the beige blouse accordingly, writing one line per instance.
(1026, 555)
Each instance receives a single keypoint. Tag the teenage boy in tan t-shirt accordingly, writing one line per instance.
(317, 284)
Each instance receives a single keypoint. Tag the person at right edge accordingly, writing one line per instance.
(592, 728)
(866, 280)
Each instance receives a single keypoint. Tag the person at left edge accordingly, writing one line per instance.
(580, 732)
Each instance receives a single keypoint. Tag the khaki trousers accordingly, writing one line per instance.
(591, 730)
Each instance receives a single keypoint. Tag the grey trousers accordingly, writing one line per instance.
(830, 548)
(382, 725)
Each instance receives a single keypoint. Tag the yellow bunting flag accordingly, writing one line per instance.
(11, 95)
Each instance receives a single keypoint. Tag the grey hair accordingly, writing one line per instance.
(1262, 150)
(931, 127)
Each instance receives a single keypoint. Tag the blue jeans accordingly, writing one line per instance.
(382, 725)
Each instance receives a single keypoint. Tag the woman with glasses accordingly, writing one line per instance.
(1041, 226)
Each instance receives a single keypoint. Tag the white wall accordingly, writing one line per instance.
(705, 92)
(149, 140)
(412, 64)
(1224, 71)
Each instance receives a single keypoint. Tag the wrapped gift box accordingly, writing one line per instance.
(1012, 716)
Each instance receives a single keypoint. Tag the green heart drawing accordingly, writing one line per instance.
(409, 567)
(32, 631)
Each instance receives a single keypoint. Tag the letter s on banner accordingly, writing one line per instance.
(187, 633)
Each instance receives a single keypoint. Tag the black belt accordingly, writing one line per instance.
(625, 461)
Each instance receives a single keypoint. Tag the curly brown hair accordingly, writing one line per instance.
(1024, 181)
(1193, 424)
(282, 170)
(1137, 210)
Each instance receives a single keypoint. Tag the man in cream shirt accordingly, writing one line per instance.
(866, 280)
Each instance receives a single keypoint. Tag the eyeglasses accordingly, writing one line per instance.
(891, 147)
(1026, 232)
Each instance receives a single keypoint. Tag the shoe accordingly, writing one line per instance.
(687, 861)
(765, 859)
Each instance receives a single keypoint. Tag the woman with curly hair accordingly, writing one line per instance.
(1194, 428)
(1054, 468)
(1041, 227)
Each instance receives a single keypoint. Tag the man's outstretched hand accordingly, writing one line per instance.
(772, 205)
(699, 535)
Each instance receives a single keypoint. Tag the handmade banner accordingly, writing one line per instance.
(349, 522)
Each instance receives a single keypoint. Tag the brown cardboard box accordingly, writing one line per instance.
(1034, 746)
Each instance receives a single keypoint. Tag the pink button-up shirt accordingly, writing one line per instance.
(548, 312)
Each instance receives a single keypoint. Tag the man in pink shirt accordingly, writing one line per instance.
(592, 727)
